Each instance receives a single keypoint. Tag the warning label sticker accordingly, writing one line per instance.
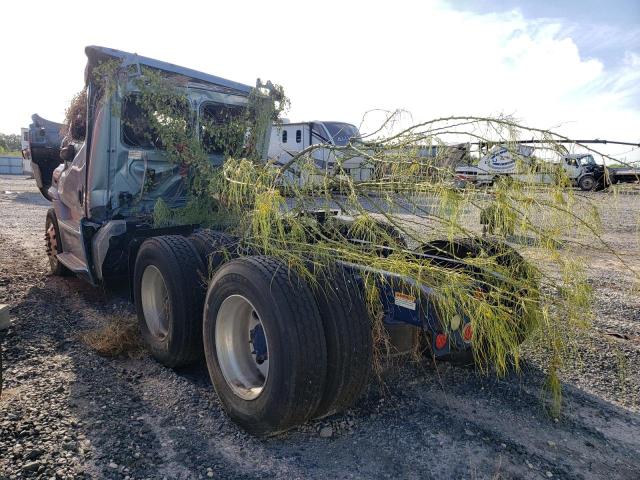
(405, 301)
(135, 154)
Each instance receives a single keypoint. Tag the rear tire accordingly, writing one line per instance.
(54, 245)
(252, 291)
(169, 297)
(347, 332)
(214, 248)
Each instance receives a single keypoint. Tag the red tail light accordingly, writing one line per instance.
(441, 341)
(467, 333)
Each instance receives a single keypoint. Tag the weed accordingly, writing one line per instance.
(118, 337)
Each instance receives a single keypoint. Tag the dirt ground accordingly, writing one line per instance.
(67, 412)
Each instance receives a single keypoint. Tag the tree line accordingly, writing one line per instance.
(10, 142)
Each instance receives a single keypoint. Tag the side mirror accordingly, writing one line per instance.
(68, 153)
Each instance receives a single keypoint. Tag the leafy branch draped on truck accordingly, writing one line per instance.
(297, 279)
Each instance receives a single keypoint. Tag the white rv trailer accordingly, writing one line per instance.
(290, 138)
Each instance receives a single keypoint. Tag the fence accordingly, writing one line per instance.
(11, 165)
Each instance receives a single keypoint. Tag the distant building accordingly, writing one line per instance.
(26, 152)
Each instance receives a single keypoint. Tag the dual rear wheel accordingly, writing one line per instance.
(278, 352)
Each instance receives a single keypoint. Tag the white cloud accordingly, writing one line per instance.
(336, 60)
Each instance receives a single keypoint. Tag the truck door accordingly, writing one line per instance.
(571, 167)
(70, 211)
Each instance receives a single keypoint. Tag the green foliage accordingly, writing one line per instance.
(10, 142)
(408, 201)
(15, 153)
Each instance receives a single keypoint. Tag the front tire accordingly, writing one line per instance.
(258, 311)
(587, 183)
(169, 297)
(54, 245)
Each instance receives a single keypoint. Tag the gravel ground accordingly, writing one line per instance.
(67, 412)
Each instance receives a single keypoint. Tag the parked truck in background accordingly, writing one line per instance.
(519, 163)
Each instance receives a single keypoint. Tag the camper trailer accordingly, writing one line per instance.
(288, 139)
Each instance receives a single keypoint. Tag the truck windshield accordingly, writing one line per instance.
(587, 160)
(342, 132)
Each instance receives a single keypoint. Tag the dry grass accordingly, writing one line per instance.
(118, 337)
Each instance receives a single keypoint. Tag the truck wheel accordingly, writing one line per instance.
(264, 344)
(169, 297)
(347, 332)
(214, 248)
(587, 183)
(54, 245)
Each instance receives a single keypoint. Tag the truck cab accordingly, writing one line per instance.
(105, 181)
(583, 171)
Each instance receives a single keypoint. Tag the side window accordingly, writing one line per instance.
(284, 136)
(221, 128)
(141, 128)
(298, 136)
(136, 125)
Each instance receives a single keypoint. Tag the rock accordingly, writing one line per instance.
(31, 466)
(113, 465)
(326, 432)
(548, 474)
(33, 454)
(70, 445)
(551, 444)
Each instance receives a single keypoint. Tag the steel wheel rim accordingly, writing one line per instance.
(240, 360)
(155, 301)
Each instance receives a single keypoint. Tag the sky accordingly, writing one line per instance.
(567, 65)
